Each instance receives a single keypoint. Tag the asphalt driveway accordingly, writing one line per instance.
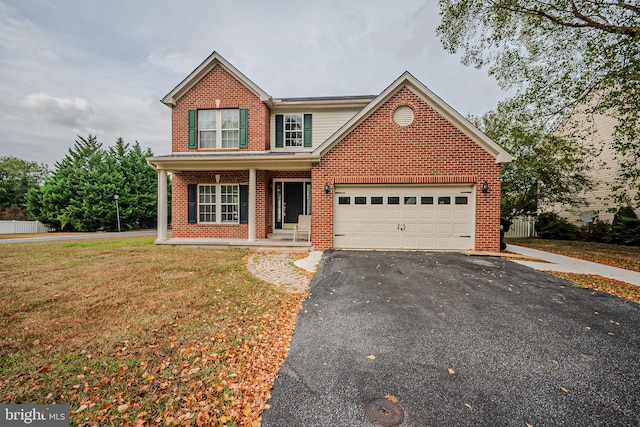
(458, 340)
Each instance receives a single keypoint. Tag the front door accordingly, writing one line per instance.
(290, 200)
(293, 202)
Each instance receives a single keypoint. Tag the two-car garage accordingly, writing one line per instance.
(404, 217)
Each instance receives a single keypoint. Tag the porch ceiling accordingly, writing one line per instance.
(234, 161)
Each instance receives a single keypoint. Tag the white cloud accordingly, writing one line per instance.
(78, 67)
(64, 111)
(180, 63)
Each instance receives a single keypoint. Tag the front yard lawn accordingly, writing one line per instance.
(627, 257)
(129, 333)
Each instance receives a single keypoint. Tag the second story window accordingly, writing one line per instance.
(218, 129)
(293, 130)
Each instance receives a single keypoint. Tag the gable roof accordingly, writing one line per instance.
(214, 60)
(413, 84)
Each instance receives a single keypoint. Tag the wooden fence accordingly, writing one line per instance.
(522, 227)
(23, 227)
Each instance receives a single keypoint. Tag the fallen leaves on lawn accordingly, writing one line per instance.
(603, 284)
(202, 386)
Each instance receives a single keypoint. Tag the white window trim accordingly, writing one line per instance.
(218, 204)
(287, 142)
(218, 130)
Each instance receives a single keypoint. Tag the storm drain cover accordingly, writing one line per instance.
(383, 412)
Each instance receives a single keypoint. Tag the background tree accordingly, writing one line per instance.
(79, 196)
(546, 169)
(138, 196)
(559, 55)
(17, 176)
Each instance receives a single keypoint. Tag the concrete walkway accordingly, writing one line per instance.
(565, 264)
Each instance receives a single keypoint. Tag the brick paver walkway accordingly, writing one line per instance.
(278, 268)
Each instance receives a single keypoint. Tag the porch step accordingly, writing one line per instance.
(283, 237)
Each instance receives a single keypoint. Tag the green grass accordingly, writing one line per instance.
(126, 331)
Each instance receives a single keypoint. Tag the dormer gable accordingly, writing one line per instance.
(214, 60)
(436, 103)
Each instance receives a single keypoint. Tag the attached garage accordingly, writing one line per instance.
(404, 217)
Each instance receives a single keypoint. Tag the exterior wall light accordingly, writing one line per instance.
(485, 187)
(326, 188)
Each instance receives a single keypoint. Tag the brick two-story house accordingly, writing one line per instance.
(398, 170)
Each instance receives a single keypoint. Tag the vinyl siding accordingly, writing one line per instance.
(324, 124)
(604, 171)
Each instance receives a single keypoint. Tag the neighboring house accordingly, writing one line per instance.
(400, 170)
(604, 172)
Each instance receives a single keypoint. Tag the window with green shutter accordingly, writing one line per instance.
(219, 128)
(293, 130)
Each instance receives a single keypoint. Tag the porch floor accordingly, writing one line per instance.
(258, 244)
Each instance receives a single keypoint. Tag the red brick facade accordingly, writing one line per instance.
(218, 84)
(429, 150)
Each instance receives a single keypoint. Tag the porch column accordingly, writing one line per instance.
(162, 204)
(252, 205)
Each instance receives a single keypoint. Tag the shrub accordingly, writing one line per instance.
(625, 229)
(597, 231)
(550, 225)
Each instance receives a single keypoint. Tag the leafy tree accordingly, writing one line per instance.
(559, 55)
(546, 169)
(17, 176)
(79, 196)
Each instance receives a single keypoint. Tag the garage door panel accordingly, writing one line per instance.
(427, 215)
(461, 229)
(404, 217)
(426, 228)
(460, 214)
(444, 214)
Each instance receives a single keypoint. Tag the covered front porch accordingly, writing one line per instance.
(233, 199)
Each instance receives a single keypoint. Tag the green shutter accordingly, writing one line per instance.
(244, 204)
(244, 128)
(193, 129)
(307, 130)
(279, 131)
(192, 193)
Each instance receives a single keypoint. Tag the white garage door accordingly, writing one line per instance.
(403, 217)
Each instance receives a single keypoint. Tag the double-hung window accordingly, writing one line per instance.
(218, 128)
(207, 203)
(230, 120)
(229, 201)
(293, 130)
(218, 203)
(215, 129)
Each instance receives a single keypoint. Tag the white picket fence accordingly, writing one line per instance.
(23, 227)
(522, 227)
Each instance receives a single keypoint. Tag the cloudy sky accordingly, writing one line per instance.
(75, 67)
